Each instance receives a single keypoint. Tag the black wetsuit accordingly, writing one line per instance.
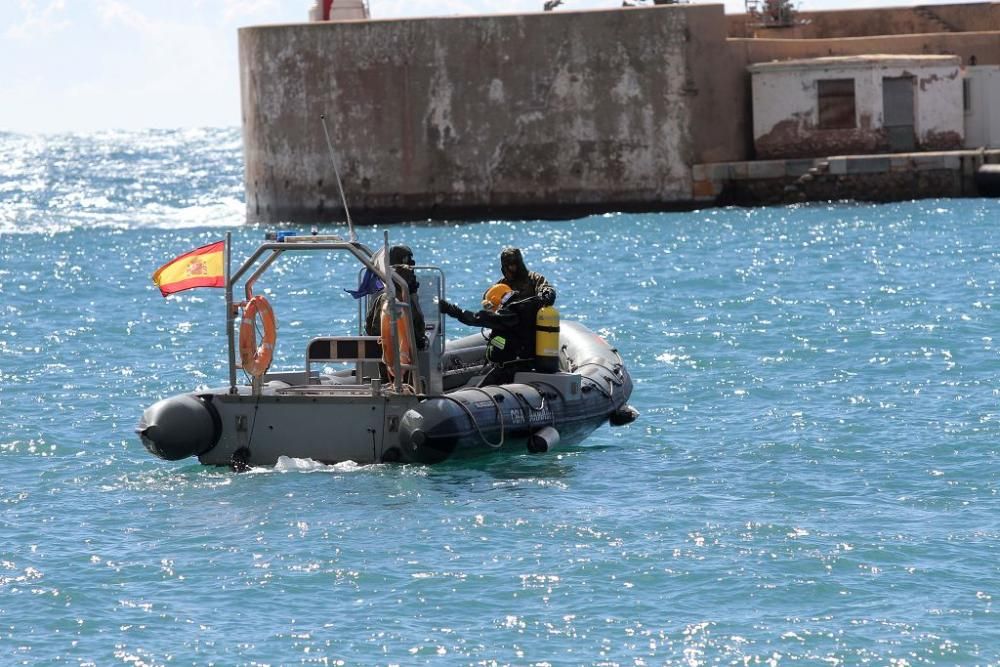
(510, 346)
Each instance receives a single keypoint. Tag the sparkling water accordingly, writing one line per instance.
(813, 479)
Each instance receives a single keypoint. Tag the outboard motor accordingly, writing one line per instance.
(180, 426)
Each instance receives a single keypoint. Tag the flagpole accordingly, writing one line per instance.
(230, 315)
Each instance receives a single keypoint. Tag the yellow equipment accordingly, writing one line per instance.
(547, 340)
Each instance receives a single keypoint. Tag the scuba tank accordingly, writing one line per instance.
(547, 340)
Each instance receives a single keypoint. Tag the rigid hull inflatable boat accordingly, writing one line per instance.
(429, 410)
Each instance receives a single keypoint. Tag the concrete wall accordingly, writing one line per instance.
(538, 114)
(982, 118)
(785, 105)
(718, 89)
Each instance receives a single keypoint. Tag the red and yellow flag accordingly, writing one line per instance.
(202, 267)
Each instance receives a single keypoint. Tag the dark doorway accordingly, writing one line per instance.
(897, 105)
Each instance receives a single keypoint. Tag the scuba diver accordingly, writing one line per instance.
(511, 320)
(524, 282)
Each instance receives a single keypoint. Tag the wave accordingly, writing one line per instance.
(168, 179)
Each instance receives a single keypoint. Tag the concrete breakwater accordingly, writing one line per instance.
(894, 177)
(513, 115)
(560, 114)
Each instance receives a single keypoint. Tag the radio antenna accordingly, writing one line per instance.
(340, 186)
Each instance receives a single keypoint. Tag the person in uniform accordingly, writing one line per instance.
(401, 259)
(521, 280)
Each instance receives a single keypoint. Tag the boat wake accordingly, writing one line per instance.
(287, 464)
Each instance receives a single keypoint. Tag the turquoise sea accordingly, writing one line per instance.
(813, 480)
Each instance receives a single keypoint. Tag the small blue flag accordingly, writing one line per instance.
(370, 284)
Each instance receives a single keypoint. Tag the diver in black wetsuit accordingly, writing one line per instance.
(511, 320)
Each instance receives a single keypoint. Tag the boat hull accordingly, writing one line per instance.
(332, 419)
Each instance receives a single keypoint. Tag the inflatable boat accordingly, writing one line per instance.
(339, 406)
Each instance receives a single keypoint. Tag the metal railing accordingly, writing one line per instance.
(270, 251)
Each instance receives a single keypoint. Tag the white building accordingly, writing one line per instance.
(856, 105)
(982, 106)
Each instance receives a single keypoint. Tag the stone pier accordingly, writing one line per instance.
(551, 114)
(893, 177)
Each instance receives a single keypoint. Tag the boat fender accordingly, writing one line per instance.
(180, 426)
(547, 340)
(420, 430)
(623, 415)
(256, 359)
(543, 440)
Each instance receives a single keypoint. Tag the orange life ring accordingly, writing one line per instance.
(256, 359)
(402, 335)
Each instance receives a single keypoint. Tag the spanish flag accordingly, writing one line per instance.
(202, 267)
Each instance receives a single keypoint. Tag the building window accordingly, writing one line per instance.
(967, 95)
(836, 104)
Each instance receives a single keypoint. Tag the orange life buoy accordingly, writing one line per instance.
(402, 335)
(256, 359)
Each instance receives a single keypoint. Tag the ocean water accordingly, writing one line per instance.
(813, 480)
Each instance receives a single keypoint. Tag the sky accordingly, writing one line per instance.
(89, 65)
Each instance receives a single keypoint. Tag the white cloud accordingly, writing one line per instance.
(246, 10)
(113, 13)
(35, 23)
